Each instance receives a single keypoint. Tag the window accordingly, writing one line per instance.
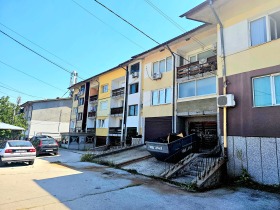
(81, 101)
(76, 97)
(162, 65)
(265, 29)
(82, 90)
(104, 88)
(202, 55)
(162, 96)
(80, 116)
(169, 63)
(133, 110)
(101, 123)
(75, 110)
(104, 105)
(197, 87)
(133, 88)
(266, 90)
(135, 68)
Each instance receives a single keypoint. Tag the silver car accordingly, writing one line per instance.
(16, 151)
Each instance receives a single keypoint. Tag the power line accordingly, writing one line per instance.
(52, 62)
(30, 75)
(127, 22)
(8, 95)
(39, 46)
(15, 90)
(86, 10)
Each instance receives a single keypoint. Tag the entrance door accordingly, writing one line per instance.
(207, 132)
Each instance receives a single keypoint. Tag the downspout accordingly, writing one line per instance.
(123, 138)
(224, 75)
(173, 92)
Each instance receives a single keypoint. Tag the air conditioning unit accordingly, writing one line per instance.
(135, 74)
(226, 100)
(157, 76)
(202, 61)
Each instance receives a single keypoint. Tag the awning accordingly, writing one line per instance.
(5, 126)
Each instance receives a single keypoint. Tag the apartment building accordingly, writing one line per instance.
(48, 117)
(249, 68)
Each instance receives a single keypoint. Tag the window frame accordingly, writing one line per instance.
(268, 27)
(101, 107)
(159, 98)
(132, 71)
(135, 113)
(165, 65)
(107, 89)
(272, 89)
(79, 116)
(137, 88)
(81, 103)
(195, 96)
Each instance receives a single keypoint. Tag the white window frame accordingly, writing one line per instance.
(267, 22)
(101, 123)
(158, 101)
(165, 65)
(197, 96)
(107, 88)
(272, 88)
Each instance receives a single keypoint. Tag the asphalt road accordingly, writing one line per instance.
(62, 182)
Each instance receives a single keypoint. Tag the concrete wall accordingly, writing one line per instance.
(259, 156)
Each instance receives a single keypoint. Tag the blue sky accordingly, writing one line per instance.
(83, 42)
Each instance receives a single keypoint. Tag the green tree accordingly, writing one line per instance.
(10, 113)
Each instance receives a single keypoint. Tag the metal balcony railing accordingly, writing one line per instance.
(92, 114)
(197, 67)
(93, 98)
(118, 92)
(115, 130)
(117, 110)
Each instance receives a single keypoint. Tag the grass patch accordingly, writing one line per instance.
(87, 157)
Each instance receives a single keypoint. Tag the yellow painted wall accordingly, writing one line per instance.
(256, 57)
(102, 131)
(107, 79)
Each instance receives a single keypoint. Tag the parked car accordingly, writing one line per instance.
(39, 137)
(17, 151)
(45, 146)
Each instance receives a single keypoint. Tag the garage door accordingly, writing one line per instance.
(157, 127)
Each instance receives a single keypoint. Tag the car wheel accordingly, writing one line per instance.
(1, 162)
(31, 162)
(55, 153)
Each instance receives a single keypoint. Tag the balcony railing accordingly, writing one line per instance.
(115, 131)
(118, 92)
(93, 98)
(91, 130)
(117, 110)
(194, 68)
(92, 114)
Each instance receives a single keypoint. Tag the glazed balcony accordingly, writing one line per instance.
(93, 99)
(117, 111)
(198, 67)
(118, 92)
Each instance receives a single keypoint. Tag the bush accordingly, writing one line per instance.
(87, 157)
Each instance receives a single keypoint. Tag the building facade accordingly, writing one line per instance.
(50, 117)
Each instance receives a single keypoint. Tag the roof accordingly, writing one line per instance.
(45, 100)
(5, 126)
(143, 53)
(195, 9)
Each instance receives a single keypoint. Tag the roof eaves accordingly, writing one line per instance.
(195, 9)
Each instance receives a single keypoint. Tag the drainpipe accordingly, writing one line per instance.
(173, 92)
(223, 73)
(123, 138)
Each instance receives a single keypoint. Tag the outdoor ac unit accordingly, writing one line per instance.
(202, 61)
(135, 74)
(157, 76)
(226, 100)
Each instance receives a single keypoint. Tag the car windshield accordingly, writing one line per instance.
(19, 144)
(48, 141)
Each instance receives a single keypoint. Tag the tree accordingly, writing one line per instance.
(10, 113)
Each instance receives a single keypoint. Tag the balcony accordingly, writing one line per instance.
(197, 67)
(115, 131)
(91, 130)
(117, 111)
(118, 92)
(92, 114)
(93, 99)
